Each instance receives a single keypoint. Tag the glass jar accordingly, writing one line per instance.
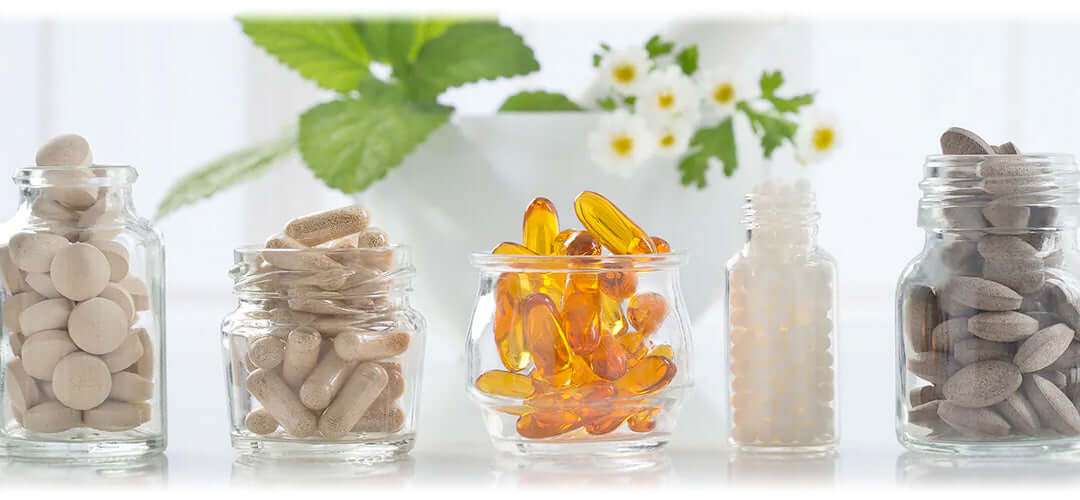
(323, 361)
(781, 353)
(84, 319)
(987, 313)
(579, 354)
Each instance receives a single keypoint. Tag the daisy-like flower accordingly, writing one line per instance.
(673, 138)
(625, 70)
(720, 92)
(816, 137)
(669, 95)
(621, 143)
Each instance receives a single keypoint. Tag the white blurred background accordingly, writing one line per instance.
(166, 96)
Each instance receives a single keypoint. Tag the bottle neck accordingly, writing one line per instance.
(781, 217)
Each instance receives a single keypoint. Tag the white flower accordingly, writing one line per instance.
(673, 138)
(720, 91)
(621, 144)
(669, 95)
(816, 137)
(624, 70)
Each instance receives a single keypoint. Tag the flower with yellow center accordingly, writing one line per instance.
(621, 143)
(673, 138)
(816, 137)
(625, 70)
(669, 95)
(720, 92)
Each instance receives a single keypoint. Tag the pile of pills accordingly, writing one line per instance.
(993, 334)
(576, 346)
(781, 326)
(72, 306)
(327, 366)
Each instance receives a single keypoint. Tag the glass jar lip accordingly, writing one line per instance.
(102, 175)
(578, 263)
(1055, 157)
(253, 250)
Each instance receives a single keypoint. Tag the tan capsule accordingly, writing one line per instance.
(34, 252)
(280, 400)
(145, 365)
(15, 305)
(21, 388)
(354, 399)
(325, 381)
(51, 314)
(42, 284)
(261, 422)
(330, 279)
(115, 416)
(395, 386)
(321, 227)
(303, 259)
(98, 326)
(117, 256)
(79, 271)
(301, 355)
(267, 352)
(81, 381)
(44, 350)
(346, 242)
(131, 387)
(319, 306)
(122, 298)
(381, 420)
(139, 294)
(51, 416)
(10, 273)
(358, 345)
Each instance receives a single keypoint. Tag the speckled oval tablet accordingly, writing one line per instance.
(81, 381)
(958, 141)
(98, 326)
(1005, 247)
(1043, 348)
(982, 384)
(982, 294)
(932, 367)
(977, 422)
(1019, 413)
(1052, 405)
(960, 257)
(925, 413)
(1005, 215)
(1069, 359)
(1004, 326)
(1021, 275)
(948, 333)
(973, 349)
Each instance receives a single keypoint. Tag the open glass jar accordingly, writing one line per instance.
(579, 354)
(987, 313)
(84, 320)
(323, 363)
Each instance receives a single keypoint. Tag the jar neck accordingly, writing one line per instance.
(783, 217)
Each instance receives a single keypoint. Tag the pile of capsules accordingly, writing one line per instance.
(326, 364)
(72, 307)
(576, 345)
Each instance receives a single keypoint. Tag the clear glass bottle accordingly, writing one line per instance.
(987, 313)
(323, 363)
(781, 355)
(84, 319)
(579, 354)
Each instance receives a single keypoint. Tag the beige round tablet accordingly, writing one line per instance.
(34, 252)
(126, 355)
(51, 416)
(117, 256)
(80, 271)
(98, 326)
(131, 387)
(81, 381)
(116, 416)
(139, 293)
(118, 294)
(68, 150)
(42, 284)
(15, 305)
(43, 351)
(51, 314)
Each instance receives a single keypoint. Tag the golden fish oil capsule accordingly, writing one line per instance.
(540, 227)
(609, 360)
(662, 246)
(643, 420)
(509, 335)
(647, 376)
(538, 425)
(611, 226)
(581, 320)
(646, 312)
(508, 248)
(612, 320)
(506, 384)
(576, 242)
(619, 285)
(544, 336)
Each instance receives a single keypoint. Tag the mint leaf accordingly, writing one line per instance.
(398, 41)
(688, 60)
(769, 82)
(773, 128)
(225, 172)
(714, 142)
(607, 103)
(539, 101)
(657, 47)
(466, 53)
(352, 142)
(329, 53)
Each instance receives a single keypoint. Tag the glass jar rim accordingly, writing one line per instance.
(102, 175)
(578, 263)
(253, 250)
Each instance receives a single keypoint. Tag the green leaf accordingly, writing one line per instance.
(773, 128)
(770, 83)
(596, 58)
(469, 52)
(352, 142)
(714, 142)
(225, 172)
(329, 53)
(607, 103)
(398, 41)
(539, 101)
(688, 60)
(657, 47)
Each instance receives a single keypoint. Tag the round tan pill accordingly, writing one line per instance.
(357, 345)
(21, 388)
(81, 381)
(42, 284)
(353, 401)
(121, 297)
(80, 271)
(49, 314)
(71, 187)
(982, 384)
(328, 225)
(44, 350)
(10, 273)
(1043, 348)
(68, 150)
(145, 365)
(104, 211)
(98, 326)
(267, 352)
(261, 422)
(117, 256)
(319, 389)
(115, 416)
(51, 210)
(130, 387)
(139, 293)
(51, 416)
(15, 305)
(282, 402)
(34, 252)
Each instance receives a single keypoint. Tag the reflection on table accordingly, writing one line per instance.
(138, 473)
(643, 470)
(923, 468)
(251, 471)
(795, 470)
